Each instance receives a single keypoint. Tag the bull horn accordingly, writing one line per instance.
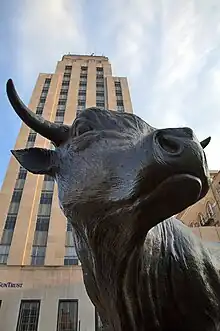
(57, 133)
(205, 142)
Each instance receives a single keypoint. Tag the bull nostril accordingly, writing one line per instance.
(168, 144)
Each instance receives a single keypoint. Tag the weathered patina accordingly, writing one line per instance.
(120, 181)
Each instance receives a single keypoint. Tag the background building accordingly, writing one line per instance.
(40, 278)
(204, 216)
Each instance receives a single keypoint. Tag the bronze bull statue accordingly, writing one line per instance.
(120, 181)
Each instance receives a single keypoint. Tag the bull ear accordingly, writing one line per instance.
(37, 160)
(205, 142)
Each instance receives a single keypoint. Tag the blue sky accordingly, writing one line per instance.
(169, 50)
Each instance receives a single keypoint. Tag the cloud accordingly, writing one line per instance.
(45, 31)
(129, 21)
(170, 52)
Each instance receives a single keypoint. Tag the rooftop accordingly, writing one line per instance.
(85, 56)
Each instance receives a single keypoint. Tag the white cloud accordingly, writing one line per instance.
(45, 31)
(170, 51)
(129, 21)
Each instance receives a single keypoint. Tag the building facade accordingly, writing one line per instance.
(41, 285)
(204, 216)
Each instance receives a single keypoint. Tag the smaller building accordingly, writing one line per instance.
(204, 216)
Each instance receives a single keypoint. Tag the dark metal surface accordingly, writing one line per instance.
(119, 183)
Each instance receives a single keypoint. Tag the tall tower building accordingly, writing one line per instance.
(41, 285)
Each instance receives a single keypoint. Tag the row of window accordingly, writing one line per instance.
(29, 312)
(42, 225)
(43, 96)
(11, 218)
(100, 96)
(119, 97)
(67, 316)
(205, 220)
(81, 103)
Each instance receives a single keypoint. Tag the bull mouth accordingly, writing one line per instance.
(172, 195)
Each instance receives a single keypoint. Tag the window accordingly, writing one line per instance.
(63, 96)
(81, 103)
(65, 83)
(70, 257)
(38, 255)
(46, 197)
(83, 68)
(44, 209)
(83, 76)
(201, 219)
(118, 93)
(42, 100)
(42, 223)
(32, 136)
(60, 112)
(98, 323)
(99, 69)
(19, 183)
(7, 236)
(100, 84)
(100, 94)
(66, 79)
(100, 98)
(69, 226)
(117, 84)
(120, 103)
(68, 68)
(39, 110)
(4, 251)
(64, 92)
(82, 97)
(29, 144)
(59, 120)
(64, 87)
(100, 104)
(22, 173)
(45, 89)
(99, 81)
(47, 81)
(82, 92)
(69, 238)
(43, 95)
(61, 107)
(10, 222)
(82, 83)
(13, 208)
(48, 178)
(62, 102)
(40, 238)
(209, 210)
(67, 315)
(100, 88)
(28, 315)
(120, 109)
(16, 196)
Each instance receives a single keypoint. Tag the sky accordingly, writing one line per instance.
(169, 50)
